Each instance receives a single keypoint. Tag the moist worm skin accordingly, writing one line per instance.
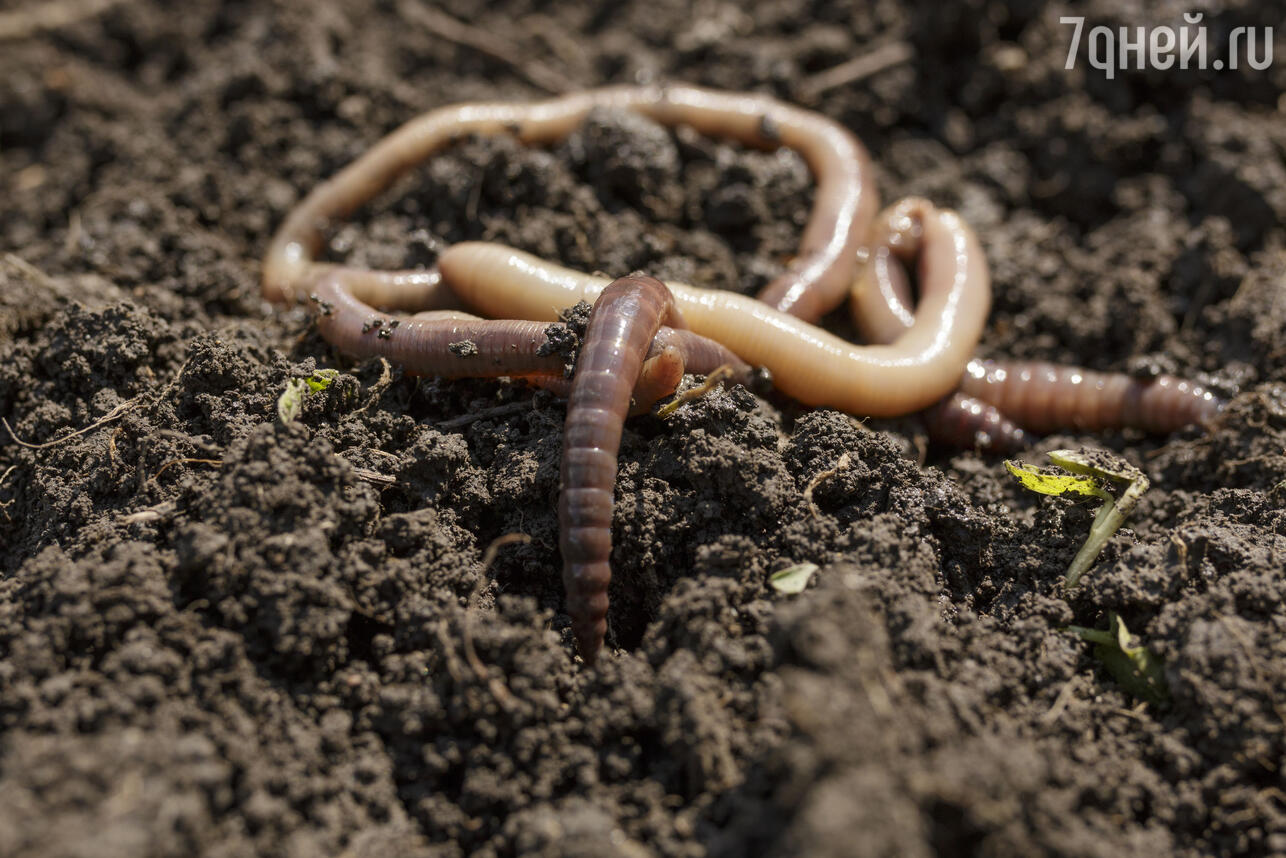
(625, 318)
(1045, 397)
(996, 398)
(816, 282)
(453, 344)
(807, 363)
(881, 304)
(962, 420)
(424, 346)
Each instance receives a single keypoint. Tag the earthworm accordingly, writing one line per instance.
(806, 362)
(881, 302)
(997, 398)
(815, 283)
(627, 362)
(961, 420)
(625, 318)
(453, 344)
(1044, 397)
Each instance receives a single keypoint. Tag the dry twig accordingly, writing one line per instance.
(497, 48)
(860, 67)
(40, 15)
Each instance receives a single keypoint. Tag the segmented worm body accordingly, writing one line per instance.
(815, 283)
(962, 420)
(998, 400)
(626, 317)
(1045, 397)
(452, 344)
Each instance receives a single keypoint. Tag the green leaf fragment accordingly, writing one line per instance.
(1090, 473)
(291, 401)
(1098, 464)
(1049, 483)
(321, 379)
(1135, 668)
(794, 579)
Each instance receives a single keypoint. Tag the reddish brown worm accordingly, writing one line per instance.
(1044, 397)
(625, 318)
(627, 362)
(997, 400)
(452, 344)
(815, 283)
(963, 421)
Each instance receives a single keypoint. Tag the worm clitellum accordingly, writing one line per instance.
(815, 283)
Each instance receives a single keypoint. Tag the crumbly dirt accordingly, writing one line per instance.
(221, 635)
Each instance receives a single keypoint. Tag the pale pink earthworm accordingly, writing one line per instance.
(806, 362)
(625, 318)
(881, 304)
(815, 283)
(1038, 396)
(845, 202)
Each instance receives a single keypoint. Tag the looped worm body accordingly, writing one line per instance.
(453, 344)
(806, 362)
(999, 401)
(817, 282)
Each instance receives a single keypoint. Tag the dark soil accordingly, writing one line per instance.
(221, 635)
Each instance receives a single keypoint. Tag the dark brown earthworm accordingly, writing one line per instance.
(626, 359)
(816, 282)
(673, 352)
(961, 420)
(456, 346)
(625, 318)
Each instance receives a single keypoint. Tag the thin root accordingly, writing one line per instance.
(719, 375)
(4, 507)
(505, 410)
(498, 689)
(381, 384)
(185, 461)
(35, 275)
(374, 476)
(858, 68)
(844, 463)
(116, 412)
(485, 42)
